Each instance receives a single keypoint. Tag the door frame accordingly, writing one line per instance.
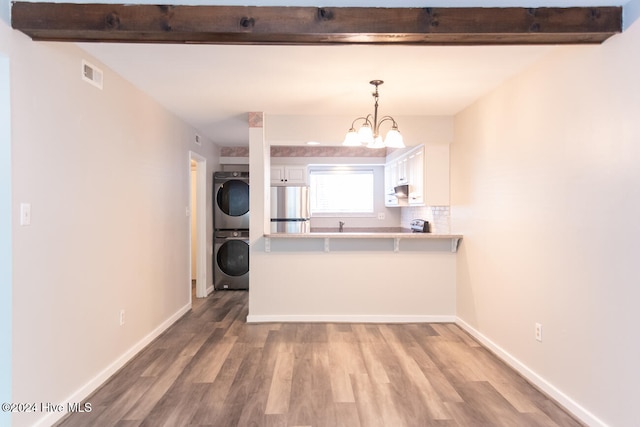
(201, 225)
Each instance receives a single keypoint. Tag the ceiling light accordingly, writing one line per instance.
(369, 132)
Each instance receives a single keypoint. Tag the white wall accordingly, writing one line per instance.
(545, 174)
(107, 176)
(5, 238)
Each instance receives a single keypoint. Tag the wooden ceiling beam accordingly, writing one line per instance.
(310, 25)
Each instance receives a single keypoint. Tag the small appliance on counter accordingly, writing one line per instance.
(420, 226)
(290, 209)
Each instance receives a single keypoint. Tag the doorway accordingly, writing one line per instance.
(197, 226)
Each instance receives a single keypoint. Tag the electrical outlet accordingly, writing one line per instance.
(122, 317)
(380, 215)
(538, 332)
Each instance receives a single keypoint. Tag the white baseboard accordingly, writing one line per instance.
(80, 394)
(349, 318)
(545, 386)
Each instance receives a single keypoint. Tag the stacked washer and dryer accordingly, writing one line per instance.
(231, 230)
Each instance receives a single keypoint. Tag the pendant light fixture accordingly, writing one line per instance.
(369, 132)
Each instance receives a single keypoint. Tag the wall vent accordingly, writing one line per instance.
(92, 74)
(197, 139)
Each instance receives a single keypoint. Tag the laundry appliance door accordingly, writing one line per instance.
(231, 200)
(231, 260)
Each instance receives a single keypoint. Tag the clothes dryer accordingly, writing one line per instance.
(231, 200)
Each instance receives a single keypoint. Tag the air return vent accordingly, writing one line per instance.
(92, 74)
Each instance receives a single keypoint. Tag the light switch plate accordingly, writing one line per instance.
(25, 213)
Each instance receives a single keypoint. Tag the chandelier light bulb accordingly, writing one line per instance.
(369, 132)
(365, 134)
(394, 139)
(351, 139)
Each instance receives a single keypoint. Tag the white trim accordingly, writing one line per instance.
(350, 318)
(545, 386)
(84, 391)
(201, 225)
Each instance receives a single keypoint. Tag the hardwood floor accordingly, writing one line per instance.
(213, 369)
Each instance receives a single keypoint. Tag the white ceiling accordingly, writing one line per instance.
(212, 87)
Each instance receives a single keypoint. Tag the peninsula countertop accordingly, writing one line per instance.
(396, 234)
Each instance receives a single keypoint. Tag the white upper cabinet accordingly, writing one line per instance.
(403, 170)
(425, 169)
(416, 177)
(390, 181)
(289, 175)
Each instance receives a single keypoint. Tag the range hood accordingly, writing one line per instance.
(401, 191)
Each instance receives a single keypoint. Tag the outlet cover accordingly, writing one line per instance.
(538, 332)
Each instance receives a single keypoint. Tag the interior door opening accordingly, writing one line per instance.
(197, 226)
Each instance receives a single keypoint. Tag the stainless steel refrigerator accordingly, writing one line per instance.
(290, 212)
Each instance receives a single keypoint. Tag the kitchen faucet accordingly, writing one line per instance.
(341, 226)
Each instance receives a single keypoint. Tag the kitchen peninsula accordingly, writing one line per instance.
(410, 241)
(353, 276)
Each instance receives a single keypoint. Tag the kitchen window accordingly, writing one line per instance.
(341, 191)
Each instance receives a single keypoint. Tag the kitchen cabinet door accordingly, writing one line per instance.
(288, 175)
(416, 177)
(403, 170)
(390, 181)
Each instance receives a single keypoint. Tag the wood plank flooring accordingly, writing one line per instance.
(212, 369)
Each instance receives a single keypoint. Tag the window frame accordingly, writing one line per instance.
(342, 169)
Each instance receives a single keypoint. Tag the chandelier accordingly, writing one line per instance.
(369, 132)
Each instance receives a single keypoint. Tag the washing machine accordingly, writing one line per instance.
(231, 200)
(231, 259)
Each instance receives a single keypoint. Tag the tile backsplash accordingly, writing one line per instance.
(438, 217)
